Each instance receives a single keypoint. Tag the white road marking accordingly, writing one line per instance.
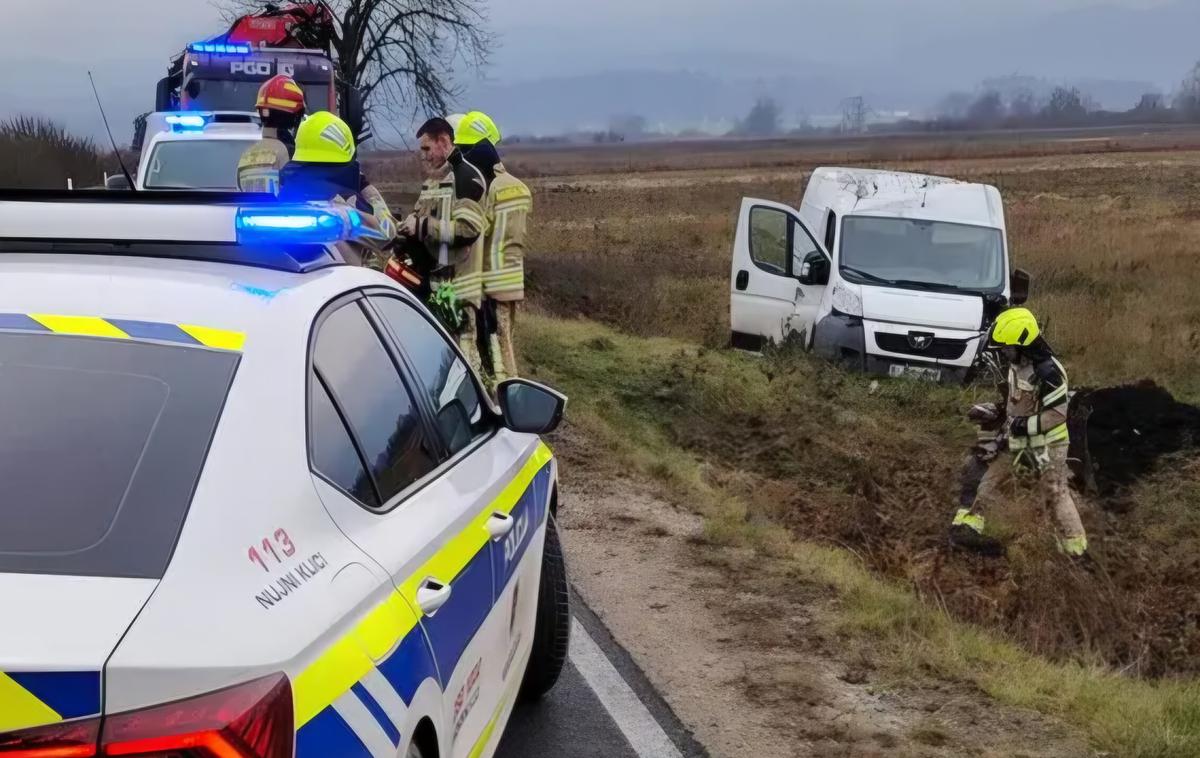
(644, 734)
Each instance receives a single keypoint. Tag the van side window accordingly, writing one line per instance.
(769, 239)
(830, 231)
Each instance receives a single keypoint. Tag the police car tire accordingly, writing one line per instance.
(552, 627)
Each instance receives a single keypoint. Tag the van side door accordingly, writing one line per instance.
(778, 276)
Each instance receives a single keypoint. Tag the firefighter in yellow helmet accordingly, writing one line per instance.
(280, 105)
(324, 168)
(507, 207)
(1034, 428)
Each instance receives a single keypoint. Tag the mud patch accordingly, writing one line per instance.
(1130, 428)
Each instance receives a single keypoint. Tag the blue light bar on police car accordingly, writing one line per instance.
(297, 225)
(186, 121)
(220, 48)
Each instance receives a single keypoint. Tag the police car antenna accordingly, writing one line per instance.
(113, 142)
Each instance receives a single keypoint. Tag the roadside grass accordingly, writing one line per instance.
(643, 403)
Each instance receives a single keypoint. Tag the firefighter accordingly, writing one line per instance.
(443, 237)
(506, 206)
(324, 168)
(1034, 426)
(280, 105)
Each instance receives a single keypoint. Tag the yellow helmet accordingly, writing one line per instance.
(1015, 327)
(475, 127)
(324, 138)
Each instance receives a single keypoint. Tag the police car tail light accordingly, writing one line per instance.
(253, 720)
(71, 739)
(296, 225)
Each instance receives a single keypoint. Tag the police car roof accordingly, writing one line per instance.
(171, 257)
(163, 224)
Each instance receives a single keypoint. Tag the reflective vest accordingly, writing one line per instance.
(456, 231)
(260, 164)
(507, 207)
(1030, 396)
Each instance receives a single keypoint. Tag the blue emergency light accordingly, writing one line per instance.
(186, 121)
(296, 225)
(219, 48)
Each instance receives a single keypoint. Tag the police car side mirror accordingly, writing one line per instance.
(529, 407)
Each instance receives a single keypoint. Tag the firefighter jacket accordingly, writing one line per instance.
(260, 164)
(451, 227)
(506, 208)
(1038, 403)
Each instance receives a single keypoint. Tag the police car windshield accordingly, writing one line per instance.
(196, 164)
(229, 95)
(101, 444)
(918, 254)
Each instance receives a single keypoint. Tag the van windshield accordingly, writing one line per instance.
(922, 254)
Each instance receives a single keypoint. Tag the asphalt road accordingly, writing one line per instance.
(602, 707)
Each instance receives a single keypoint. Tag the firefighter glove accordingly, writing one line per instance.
(1019, 426)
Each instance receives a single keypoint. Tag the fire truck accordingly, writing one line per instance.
(223, 74)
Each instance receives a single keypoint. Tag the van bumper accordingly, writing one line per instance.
(842, 339)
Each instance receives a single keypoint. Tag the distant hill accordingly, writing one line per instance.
(1114, 54)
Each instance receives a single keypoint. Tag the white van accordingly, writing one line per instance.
(886, 272)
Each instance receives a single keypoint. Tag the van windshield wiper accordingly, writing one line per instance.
(937, 286)
(867, 276)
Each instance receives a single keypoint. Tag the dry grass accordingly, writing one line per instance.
(804, 447)
(1111, 239)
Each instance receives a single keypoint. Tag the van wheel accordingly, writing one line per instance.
(552, 626)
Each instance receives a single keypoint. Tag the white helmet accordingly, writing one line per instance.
(454, 120)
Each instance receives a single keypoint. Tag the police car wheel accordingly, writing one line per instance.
(552, 627)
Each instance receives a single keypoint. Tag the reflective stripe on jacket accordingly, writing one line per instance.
(507, 207)
(1033, 392)
(260, 164)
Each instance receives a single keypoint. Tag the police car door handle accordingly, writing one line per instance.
(499, 525)
(432, 595)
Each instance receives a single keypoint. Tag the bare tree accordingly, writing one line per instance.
(402, 54)
(762, 120)
(987, 112)
(1066, 106)
(1187, 100)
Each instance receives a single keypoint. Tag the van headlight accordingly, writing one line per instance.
(847, 301)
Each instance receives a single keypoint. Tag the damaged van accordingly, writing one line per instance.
(887, 272)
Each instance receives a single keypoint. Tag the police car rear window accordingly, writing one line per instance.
(101, 444)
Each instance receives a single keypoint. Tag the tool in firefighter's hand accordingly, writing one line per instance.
(403, 272)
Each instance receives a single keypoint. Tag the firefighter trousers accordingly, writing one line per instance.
(1053, 483)
(466, 339)
(504, 356)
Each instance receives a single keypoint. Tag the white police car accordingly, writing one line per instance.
(197, 150)
(254, 502)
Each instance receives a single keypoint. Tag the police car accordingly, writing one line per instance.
(254, 502)
(195, 150)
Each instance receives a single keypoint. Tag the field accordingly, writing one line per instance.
(788, 457)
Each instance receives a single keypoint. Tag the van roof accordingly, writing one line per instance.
(874, 192)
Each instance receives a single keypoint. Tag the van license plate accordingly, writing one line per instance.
(915, 372)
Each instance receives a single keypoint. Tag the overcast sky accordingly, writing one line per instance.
(46, 46)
